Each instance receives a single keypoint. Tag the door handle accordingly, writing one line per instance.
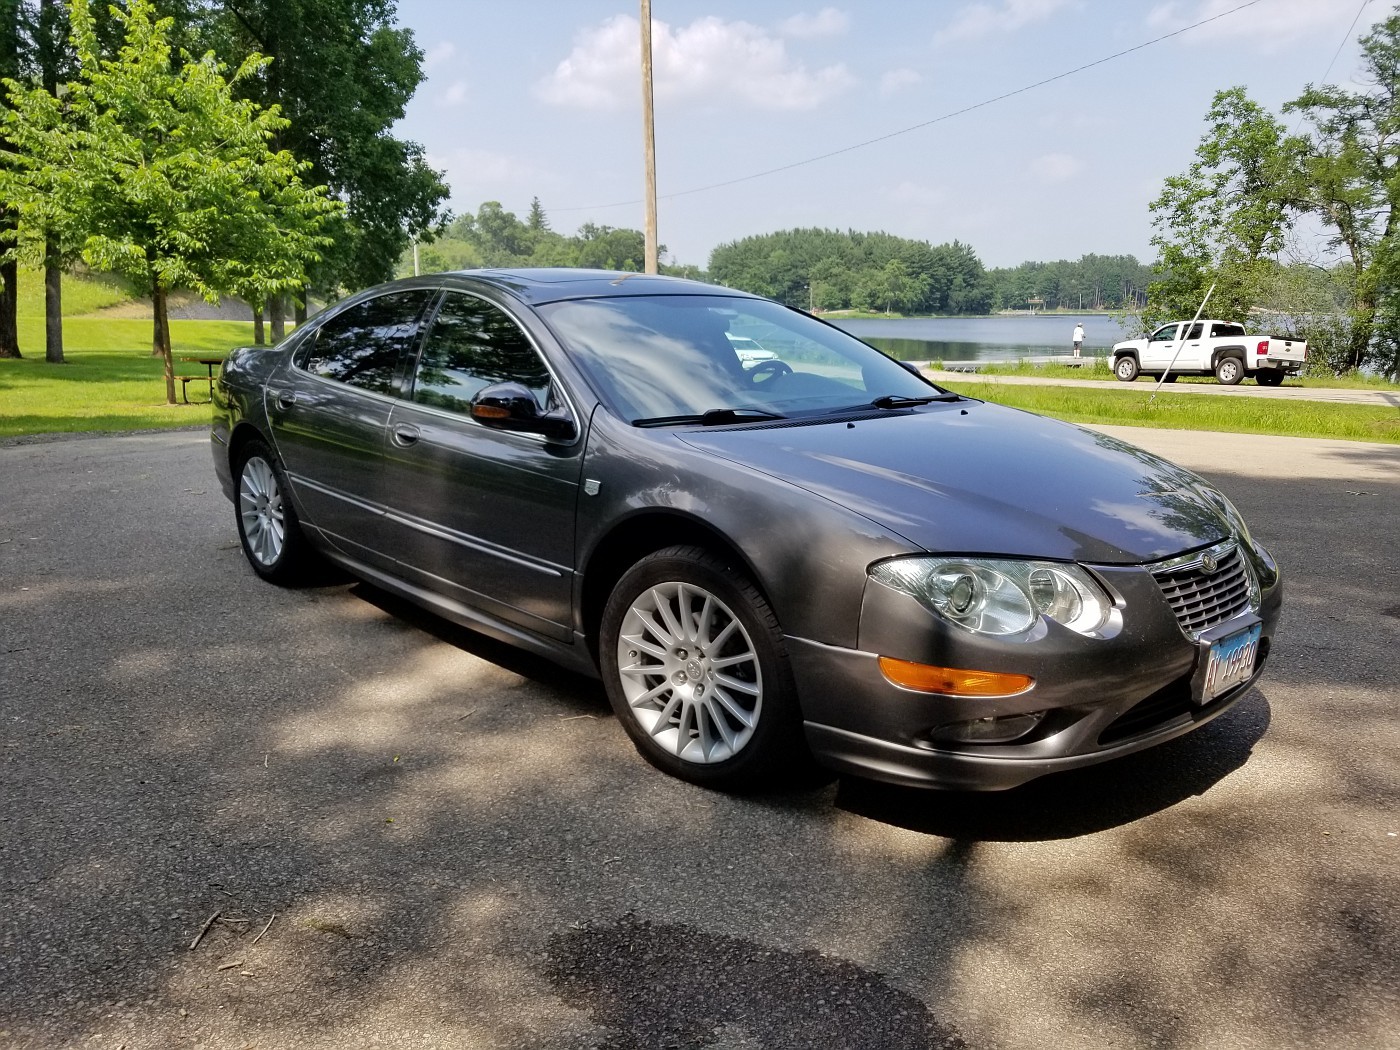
(405, 434)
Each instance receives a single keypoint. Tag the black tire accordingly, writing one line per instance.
(1268, 377)
(1125, 368)
(735, 727)
(268, 529)
(1229, 370)
(1170, 377)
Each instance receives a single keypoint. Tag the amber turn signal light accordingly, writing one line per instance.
(952, 681)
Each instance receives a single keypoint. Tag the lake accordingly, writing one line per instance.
(984, 338)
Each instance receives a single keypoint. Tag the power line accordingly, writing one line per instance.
(934, 120)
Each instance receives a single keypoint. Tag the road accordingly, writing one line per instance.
(1335, 395)
(412, 837)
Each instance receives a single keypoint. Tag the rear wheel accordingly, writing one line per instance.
(1170, 377)
(1229, 370)
(1268, 377)
(695, 668)
(267, 524)
(1126, 368)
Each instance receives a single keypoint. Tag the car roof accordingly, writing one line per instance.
(552, 284)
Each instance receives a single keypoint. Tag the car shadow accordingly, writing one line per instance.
(1079, 802)
(579, 690)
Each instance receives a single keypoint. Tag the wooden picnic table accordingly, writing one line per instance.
(209, 362)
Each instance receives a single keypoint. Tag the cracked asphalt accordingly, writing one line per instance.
(408, 836)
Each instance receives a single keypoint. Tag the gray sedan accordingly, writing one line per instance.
(815, 555)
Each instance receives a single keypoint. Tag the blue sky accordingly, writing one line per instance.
(542, 98)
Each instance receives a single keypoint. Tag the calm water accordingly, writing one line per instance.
(985, 338)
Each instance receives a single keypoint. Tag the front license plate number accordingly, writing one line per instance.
(1230, 662)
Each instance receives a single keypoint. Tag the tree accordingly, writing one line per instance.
(167, 176)
(342, 73)
(1350, 169)
(11, 21)
(1226, 216)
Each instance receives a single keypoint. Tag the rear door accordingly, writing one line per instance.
(329, 408)
(483, 515)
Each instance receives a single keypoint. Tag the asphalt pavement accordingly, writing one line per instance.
(240, 816)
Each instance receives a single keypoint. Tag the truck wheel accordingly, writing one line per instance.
(1229, 370)
(1268, 377)
(1126, 368)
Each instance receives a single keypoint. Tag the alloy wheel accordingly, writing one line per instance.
(260, 509)
(689, 672)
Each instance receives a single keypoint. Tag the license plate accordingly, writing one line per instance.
(1230, 662)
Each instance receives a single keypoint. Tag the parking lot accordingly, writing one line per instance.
(408, 836)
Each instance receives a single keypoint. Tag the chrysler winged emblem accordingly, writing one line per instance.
(1209, 564)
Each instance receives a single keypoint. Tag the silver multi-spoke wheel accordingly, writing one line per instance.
(689, 672)
(261, 513)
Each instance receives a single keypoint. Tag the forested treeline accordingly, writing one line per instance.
(496, 237)
(833, 270)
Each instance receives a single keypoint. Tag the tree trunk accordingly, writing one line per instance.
(299, 310)
(9, 308)
(53, 303)
(276, 306)
(259, 334)
(161, 338)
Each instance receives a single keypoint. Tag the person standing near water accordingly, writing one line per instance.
(1078, 337)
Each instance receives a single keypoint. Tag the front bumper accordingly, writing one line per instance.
(1103, 697)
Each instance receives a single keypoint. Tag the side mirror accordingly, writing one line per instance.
(511, 406)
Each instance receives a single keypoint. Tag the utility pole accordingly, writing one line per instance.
(648, 140)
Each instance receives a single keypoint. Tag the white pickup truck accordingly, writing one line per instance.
(1219, 347)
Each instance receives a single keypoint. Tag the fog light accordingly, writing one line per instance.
(953, 681)
(1000, 729)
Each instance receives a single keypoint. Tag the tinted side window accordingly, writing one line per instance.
(1195, 332)
(1165, 333)
(362, 345)
(471, 345)
(1221, 331)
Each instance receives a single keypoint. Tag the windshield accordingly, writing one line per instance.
(663, 358)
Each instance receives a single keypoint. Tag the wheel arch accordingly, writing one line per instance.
(634, 538)
(1222, 352)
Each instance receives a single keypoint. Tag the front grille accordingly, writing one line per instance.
(1203, 599)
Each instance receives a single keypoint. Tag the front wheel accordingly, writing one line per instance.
(1126, 368)
(1229, 370)
(267, 523)
(695, 668)
(1268, 377)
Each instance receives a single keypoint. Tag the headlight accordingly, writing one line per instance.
(999, 596)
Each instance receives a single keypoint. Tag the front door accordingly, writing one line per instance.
(485, 515)
(1161, 348)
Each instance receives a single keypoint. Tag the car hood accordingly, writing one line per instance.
(974, 478)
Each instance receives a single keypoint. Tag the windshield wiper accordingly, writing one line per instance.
(714, 417)
(901, 401)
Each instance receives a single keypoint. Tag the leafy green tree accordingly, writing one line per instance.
(342, 73)
(1350, 180)
(167, 174)
(1223, 219)
(12, 20)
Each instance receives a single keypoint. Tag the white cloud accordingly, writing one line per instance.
(1278, 22)
(456, 94)
(709, 60)
(826, 22)
(979, 20)
(897, 80)
(1056, 167)
(438, 54)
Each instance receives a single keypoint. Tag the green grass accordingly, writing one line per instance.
(1239, 415)
(109, 380)
(1098, 368)
(82, 294)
